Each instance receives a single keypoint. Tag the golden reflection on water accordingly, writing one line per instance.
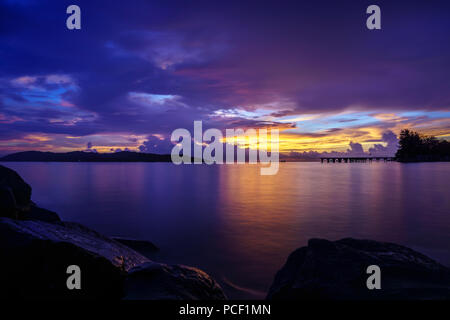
(264, 218)
(241, 226)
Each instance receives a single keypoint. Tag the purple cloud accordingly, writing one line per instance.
(174, 62)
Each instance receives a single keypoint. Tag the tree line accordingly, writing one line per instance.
(416, 147)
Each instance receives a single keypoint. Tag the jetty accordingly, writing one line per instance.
(355, 159)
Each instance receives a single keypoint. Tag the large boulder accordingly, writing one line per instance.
(8, 205)
(36, 255)
(157, 281)
(21, 190)
(337, 270)
(36, 248)
(15, 199)
(15, 194)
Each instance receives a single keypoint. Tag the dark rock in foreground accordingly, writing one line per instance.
(35, 256)
(337, 270)
(20, 189)
(36, 249)
(15, 193)
(156, 281)
(15, 199)
(8, 204)
(36, 213)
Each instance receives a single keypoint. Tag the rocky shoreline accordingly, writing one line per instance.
(336, 270)
(37, 247)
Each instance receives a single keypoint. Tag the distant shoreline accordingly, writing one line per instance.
(131, 156)
(81, 156)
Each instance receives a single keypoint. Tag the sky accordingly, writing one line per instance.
(138, 70)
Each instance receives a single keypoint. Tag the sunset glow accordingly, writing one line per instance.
(144, 79)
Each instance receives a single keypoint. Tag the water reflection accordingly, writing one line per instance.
(240, 226)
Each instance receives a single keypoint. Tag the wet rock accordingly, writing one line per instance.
(337, 270)
(35, 256)
(157, 281)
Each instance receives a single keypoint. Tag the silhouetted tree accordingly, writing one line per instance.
(416, 147)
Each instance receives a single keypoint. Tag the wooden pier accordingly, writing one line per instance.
(355, 159)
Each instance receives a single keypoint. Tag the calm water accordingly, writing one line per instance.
(240, 226)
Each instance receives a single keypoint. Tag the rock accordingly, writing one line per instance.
(8, 205)
(337, 270)
(15, 200)
(20, 189)
(36, 248)
(37, 213)
(35, 256)
(157, 281)
(141, 246)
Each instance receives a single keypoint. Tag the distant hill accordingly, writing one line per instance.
(81, 156)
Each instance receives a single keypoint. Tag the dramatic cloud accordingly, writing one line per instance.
(156, 144)
(391, 145)
(356, 149)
